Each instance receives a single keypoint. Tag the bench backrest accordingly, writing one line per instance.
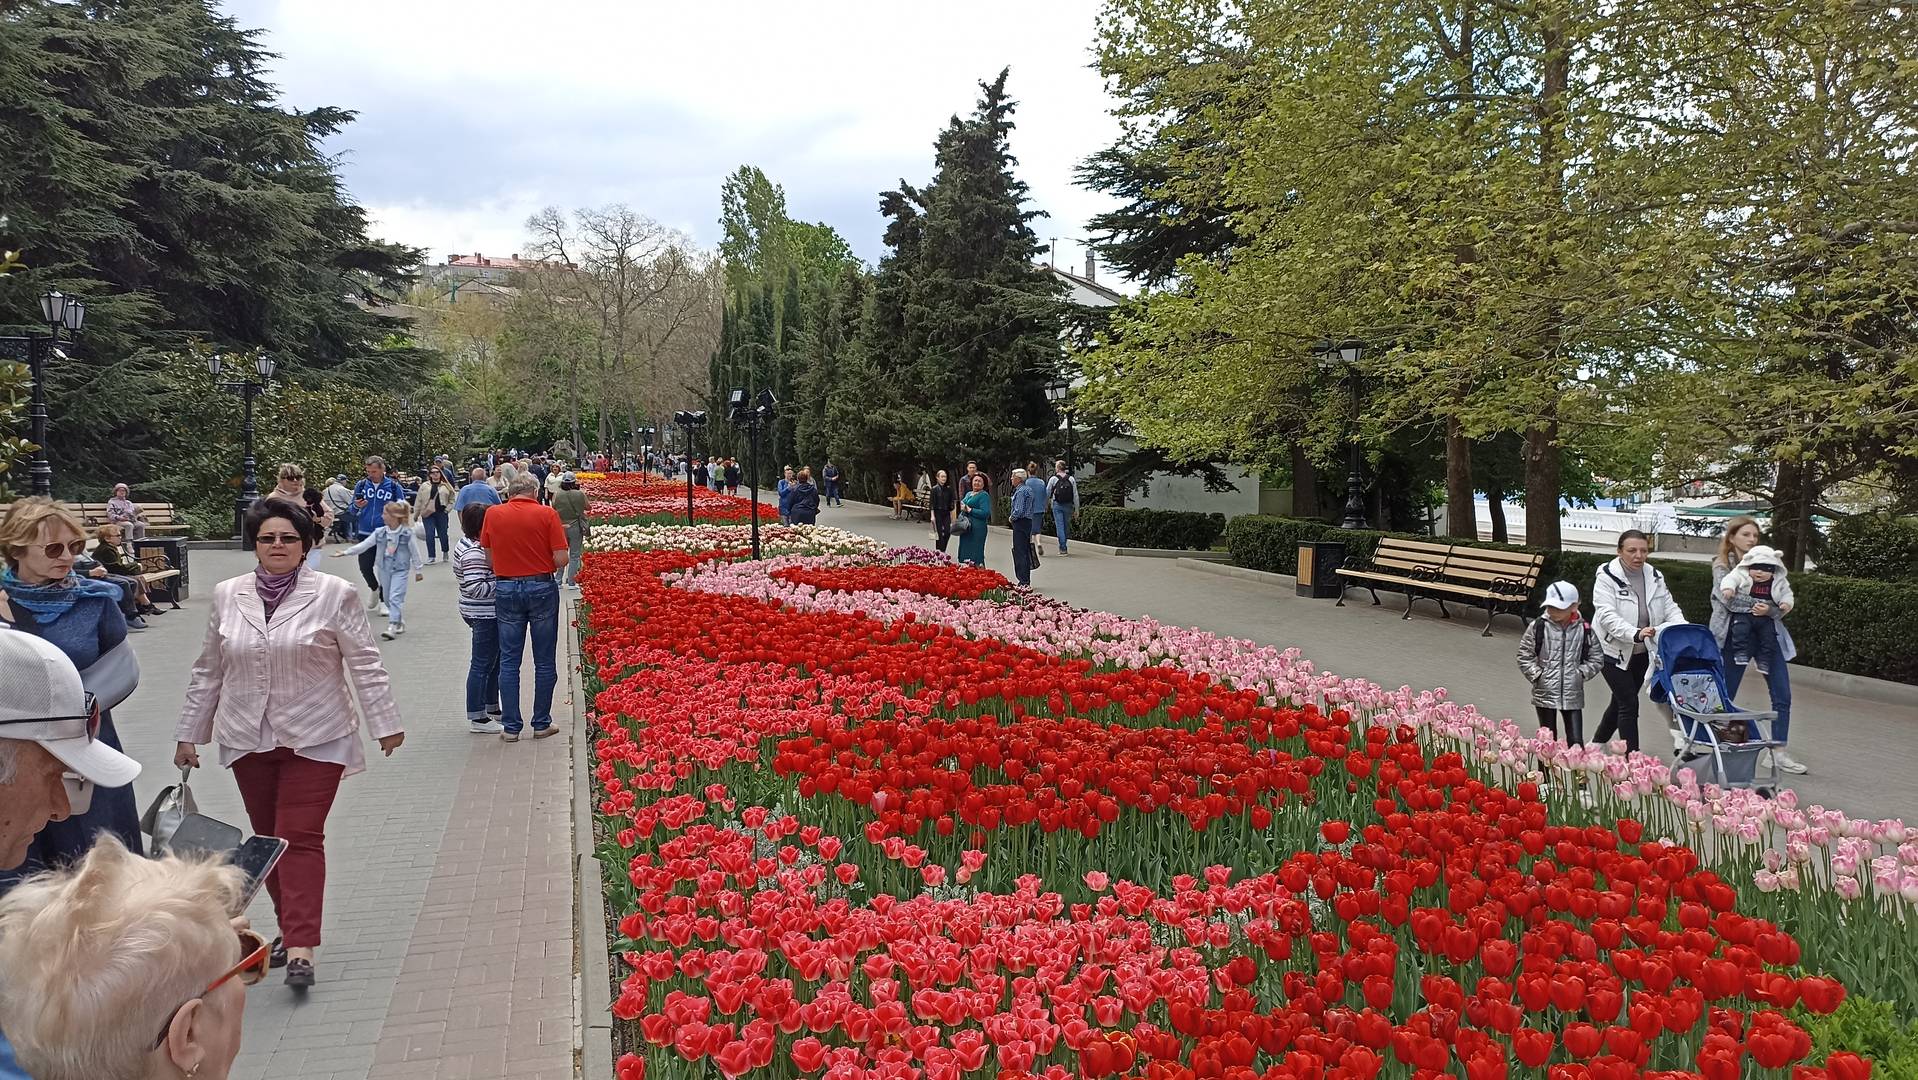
(1483, 567)
(1394, 555)
(95, 513)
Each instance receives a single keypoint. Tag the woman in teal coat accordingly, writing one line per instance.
(977, 506)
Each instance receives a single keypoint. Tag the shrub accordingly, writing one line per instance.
(1867, 1027)
(1177, 530)
(1846, 624)
(1876, 546)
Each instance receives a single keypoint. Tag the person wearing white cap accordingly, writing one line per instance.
(50, 759)
(1558, 654)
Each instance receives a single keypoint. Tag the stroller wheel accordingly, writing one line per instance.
(1766, 793)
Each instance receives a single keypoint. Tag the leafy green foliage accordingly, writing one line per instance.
(1172, 530)
(1869, 1028)
(1877, 546)
(151, 171)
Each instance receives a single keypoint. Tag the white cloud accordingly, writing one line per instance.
(472, 115)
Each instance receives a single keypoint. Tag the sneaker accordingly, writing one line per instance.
(392, 631)
(1787, 763)
(372, 599)
(136, 623)
(494, 713)
(574, 586)
(545, 732)
(1063, 553)
(509, 736)
(485, 726)
(383, 609)
(398, 628)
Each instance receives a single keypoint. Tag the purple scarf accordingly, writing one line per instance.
(274, 587)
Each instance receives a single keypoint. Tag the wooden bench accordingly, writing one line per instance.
(155, 571)
(906, 504)
(160, 518)
(1395, 566)
(1499, 581)
(917, 511)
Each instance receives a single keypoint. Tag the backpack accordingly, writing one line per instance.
(1064, 492)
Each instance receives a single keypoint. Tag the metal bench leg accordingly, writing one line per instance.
(1375, 595)
(1444, 612)
(1342, 587)
(1489, 613)
(1410, 598)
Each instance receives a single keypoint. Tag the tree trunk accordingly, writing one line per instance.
(1461, 515)
(1542, 468)
(1791, 523)
(1305, 484)
(572, 386)
(1495, 506)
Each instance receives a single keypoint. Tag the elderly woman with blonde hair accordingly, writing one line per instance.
(124, 968)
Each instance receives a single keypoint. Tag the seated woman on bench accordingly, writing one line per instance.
(113, 558)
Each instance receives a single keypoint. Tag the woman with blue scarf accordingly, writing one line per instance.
(42, 595)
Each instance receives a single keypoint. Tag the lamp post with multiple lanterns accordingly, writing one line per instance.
(689, 421)
(248, 388)
(1060, 394)
(59, 312)
(753, 417)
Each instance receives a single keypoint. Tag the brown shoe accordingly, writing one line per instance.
(541, 733)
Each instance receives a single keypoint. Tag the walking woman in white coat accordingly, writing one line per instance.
(1630, 605)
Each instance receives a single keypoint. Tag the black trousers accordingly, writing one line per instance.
(944, 526)
(367, 560)
(1574, 723)
(1621, 716)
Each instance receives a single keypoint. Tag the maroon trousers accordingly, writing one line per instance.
(288, 796)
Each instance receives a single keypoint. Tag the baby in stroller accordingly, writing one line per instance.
(1751, 589)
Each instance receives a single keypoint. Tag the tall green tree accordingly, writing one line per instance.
(151, 170)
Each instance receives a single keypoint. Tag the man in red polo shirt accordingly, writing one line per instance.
(526, 543)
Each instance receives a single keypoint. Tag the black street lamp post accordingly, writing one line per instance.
(248, 389)
(1060, 394)
(417, 414)
(1343, 358)
(60, 312)
(689, 421)
(754, 419)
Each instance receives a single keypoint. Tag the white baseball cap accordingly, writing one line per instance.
(46, 703)
(1561, 595)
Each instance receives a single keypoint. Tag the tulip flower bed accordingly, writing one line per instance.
(642, 499)
(873, 814)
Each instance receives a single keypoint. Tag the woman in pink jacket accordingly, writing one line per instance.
(271, 686)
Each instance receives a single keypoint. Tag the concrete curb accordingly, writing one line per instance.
(1861, 687)
(593, 980)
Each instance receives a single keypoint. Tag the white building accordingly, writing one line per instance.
(1161, 491)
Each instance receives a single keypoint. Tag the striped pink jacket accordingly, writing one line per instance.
(291, 673)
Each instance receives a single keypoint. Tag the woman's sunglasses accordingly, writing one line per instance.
(255, 958)
(76, 548)
(278, 539)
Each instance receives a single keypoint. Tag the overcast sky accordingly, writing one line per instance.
(473, 115)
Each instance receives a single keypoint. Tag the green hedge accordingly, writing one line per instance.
(1876, 546)
(1843, 624)
(1180, 530)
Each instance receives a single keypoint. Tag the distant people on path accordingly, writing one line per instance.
(122, 510)
(701, 475)
(541, 470)
(732, 476)
(433, 505)
(832, 477)
(570, 504)
(1027, 509)
(81, 617)
(476, 490)
(975, 513)
(965, 482)
(290, 484)
(1630, 604)
(339, 503)
(473, 569)
(1558, 654)
(396, 559)
(46, 732)
(1759, 609)
(124, 967)
(787, 479)
(941, 505)
(804, 505)
(527, 544)
(1062, 495)
(288, 650)
(370, 499)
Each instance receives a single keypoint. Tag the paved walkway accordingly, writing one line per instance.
(449, 903)
(1859, 753)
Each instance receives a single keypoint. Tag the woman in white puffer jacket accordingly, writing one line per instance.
(1630, 604)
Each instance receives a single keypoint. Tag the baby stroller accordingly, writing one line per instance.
(1722, 742)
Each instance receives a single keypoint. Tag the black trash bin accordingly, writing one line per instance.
(1318, 562)
(175, 550)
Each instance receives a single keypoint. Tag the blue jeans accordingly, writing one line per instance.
(436, 527)
(482, 671)
(832, 492)
(521, 605)
(1061, 514)
(1022, 550)
(1778, 681)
